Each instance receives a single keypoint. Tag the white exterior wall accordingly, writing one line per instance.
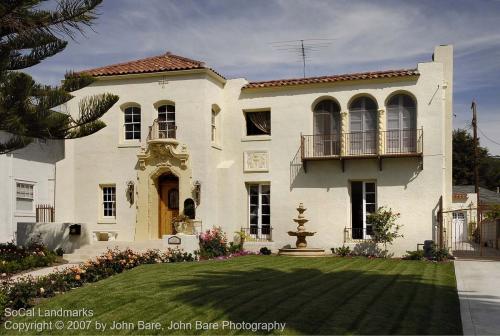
(35, 165)
(324, 190)
(105, 158)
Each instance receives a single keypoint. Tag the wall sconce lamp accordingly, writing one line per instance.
(197, 192)
(130, 192)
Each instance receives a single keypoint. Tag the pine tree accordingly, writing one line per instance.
(463, 162)
(29, 33)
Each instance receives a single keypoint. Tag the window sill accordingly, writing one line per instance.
(256, 138)
(216, 146)
(134, 144)
(106, 221)
(20, 213)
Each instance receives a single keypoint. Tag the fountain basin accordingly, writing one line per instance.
(302, 252)
(301, 233)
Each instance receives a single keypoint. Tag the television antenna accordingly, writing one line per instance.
(302, 48)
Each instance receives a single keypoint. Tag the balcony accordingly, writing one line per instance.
(362, 145)
(162, 131)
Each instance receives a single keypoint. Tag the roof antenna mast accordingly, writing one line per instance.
(302, 48)
(303, 57)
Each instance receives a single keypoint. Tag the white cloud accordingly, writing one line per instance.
(233, 36)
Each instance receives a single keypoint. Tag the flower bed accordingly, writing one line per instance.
(22, 293)
(14, 259)
(213, 244)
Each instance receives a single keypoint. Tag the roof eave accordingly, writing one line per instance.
(339, 82)
(169, 73)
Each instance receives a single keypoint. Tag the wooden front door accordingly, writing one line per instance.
(169, 206)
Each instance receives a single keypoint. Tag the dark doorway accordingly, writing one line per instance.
(357, 209)
(168, 189)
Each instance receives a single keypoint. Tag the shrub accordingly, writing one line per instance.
(15, 258)
(22, 292)
(343, 251)
(3, 302)
(437, 254)
(234, 248)
(265, 251)
(213, 244)
(493, 212)
(440, 254)
(384, 227)
(414, 255)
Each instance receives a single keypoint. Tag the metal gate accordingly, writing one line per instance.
(467, 234)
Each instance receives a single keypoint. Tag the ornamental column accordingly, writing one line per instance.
(343, 130)
(381, 131)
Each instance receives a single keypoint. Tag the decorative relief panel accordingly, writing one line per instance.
(255, 161)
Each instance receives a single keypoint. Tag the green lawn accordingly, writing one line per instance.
(311, 295)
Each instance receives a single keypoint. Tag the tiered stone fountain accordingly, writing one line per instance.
(301, 249)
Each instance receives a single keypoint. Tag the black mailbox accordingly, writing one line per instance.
(75, 229)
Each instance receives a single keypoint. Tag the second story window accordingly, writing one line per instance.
(258, 123)
(214, 125)
(362, 138)
(401, 133)
(24, 196)
(166, 121)
(132, 123)
(326, 138)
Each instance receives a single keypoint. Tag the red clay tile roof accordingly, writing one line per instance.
(459, 195)
(334, 78)
(165, 62)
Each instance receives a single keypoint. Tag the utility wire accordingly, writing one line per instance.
(487, 137)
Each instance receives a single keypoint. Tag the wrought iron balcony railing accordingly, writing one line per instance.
(357, 234)
(258, 234)
(162, 130)
(405, 142)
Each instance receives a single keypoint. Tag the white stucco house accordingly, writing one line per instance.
(27, 180)
(245, 154)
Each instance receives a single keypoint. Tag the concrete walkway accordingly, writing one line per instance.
(45, 271)
(478, 284)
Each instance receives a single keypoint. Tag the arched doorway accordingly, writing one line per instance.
(168, 205)
(363, 126)
(326, 116)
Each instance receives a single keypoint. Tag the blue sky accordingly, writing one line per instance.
(235, 38)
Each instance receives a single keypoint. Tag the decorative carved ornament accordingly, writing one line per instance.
(163, 154)
(255, 161)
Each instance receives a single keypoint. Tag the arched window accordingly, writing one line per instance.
(362, 138)
(132, 123)
(215, 124)
(401, 124)
(189, 208)
(326, 117)
(166, 121)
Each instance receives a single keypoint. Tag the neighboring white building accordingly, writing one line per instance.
(462, 221)
(248, 153)
(27, 179)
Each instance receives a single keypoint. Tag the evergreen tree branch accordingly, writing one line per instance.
(73, 81)
(14, 143)
(29, 110)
